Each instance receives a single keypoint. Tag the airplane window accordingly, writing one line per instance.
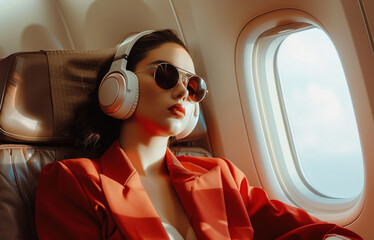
(300, 117)
(319, 116)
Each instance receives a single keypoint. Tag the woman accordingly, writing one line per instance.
(138, 189)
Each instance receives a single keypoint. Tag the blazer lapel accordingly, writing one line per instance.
(129, 203)
(202, 196)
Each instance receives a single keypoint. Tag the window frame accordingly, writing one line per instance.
(260, 39)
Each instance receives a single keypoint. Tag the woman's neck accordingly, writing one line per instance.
(145, 150)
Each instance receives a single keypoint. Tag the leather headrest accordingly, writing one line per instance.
(41, 91)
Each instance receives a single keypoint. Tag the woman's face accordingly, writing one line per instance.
(160, 111)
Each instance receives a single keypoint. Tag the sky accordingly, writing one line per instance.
(320, 113)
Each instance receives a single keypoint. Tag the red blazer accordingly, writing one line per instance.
(104, 199)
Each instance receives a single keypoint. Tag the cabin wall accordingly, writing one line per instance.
(367, 9)
(31, 25)
(104, 22)
(70, 24)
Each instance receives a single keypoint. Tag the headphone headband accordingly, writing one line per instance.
(125, 47)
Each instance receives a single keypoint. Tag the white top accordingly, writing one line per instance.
(175, 235)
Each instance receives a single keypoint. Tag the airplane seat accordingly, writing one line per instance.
(40, 92)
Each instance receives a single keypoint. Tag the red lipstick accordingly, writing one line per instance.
(177, 110)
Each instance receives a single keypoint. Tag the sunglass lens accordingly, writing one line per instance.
(166, 76)
(196, 88)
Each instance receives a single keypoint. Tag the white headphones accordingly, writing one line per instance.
(119, 90)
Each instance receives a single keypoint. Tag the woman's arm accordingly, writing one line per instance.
(272, 219)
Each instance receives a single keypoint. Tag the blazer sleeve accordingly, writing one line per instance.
(63, 210)
(273, 219)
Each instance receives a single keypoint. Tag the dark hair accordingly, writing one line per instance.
(97, 131)
(149, 42)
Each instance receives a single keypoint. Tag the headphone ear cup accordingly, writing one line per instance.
(193, 117)
(119, 94)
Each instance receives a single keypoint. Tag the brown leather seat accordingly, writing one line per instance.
(39, 95)
(40, 92)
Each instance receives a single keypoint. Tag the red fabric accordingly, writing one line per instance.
(104, 199)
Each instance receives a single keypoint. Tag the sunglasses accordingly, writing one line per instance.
(167, 77)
